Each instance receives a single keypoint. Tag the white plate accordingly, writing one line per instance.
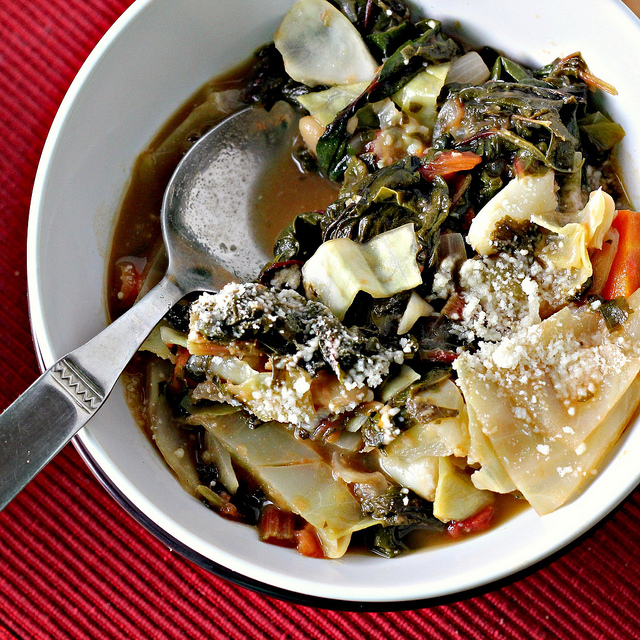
(152, 59)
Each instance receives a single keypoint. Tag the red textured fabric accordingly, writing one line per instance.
(73, 564)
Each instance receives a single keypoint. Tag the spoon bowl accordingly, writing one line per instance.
(219, 174)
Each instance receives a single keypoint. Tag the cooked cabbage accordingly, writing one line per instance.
(172, 442)
(569, 247)
(382, 267)
(419, 474)
(155, 344)
(290, 472)
(550, 400)
(418, 98)
(283, 394)
(406, 377)
(412, 458)
(320, 46)
(456, 497)
(325, 105)
(520, 200)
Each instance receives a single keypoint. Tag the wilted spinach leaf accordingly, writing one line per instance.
(388, 198)
(300, 240)
(431, 47)
(374, 16)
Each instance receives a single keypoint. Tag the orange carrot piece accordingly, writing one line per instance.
(624, 276)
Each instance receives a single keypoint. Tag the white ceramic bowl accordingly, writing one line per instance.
(153, 58)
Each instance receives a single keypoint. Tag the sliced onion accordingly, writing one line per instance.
(452, 245)
(469, 69)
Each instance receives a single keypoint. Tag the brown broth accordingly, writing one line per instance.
(137, 231)
(285, 192)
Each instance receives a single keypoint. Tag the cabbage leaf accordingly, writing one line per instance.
(325, 105)
(320, 46)
(551, 399)
(418, 98)
(382, 267)
(456, 497)
(290, 472)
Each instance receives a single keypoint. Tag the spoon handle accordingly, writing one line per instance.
(50, 412)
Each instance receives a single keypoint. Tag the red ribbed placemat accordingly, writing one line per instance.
(75, 565)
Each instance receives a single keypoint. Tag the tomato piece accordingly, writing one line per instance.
(479, 522)
(449, 163)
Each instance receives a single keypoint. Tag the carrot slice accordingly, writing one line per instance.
(624, 276)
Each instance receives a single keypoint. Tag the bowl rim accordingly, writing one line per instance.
(44, 352)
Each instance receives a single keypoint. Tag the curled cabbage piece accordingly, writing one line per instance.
(548, 402)
(320, 46)
(533, 259)
(382, 267)
(568, 247)
(456, 497)
(418, 98)
(519, 201)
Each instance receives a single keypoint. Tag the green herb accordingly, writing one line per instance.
(601, 132)
(615, 312)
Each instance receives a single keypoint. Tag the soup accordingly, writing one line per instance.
(447, 330)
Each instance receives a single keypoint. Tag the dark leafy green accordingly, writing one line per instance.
(370, 204)
(301, 239)
(510, 71)
(400, 512)
(502, 118)
(388, 198)
(384, 43)
(269, 82)
(431, 47)
(601, 131)
(375, 16)
(285, 322)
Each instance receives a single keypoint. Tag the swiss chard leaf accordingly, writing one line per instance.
(388, 198)
(508, 70)
(333, 150)
(374, 16)
(432, 47)
(384, 43)
(503, 118)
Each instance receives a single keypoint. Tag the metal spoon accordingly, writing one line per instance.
(207, 226)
